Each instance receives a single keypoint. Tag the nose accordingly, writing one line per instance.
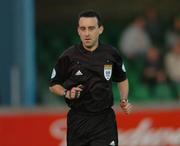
(87, 33)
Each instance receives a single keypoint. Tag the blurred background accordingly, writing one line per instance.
(35, 32)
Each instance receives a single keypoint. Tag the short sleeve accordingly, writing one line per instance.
(60, 71)
(119, 70)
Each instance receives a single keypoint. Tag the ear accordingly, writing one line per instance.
(78, 30)
(101, 29)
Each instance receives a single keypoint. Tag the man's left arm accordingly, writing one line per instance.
(124, 90)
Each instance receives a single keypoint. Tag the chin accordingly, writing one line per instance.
(88, 45)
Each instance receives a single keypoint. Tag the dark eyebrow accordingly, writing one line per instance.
(87, 27)
(82, 27)
(91, 27)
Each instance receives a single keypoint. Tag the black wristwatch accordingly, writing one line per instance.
(124, 99)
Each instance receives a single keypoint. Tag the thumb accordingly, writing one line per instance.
(80, 86)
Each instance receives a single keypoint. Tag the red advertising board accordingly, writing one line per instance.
(145, 128)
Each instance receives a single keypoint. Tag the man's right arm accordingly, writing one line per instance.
(59, 90)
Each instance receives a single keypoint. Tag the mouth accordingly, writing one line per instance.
(87, 40)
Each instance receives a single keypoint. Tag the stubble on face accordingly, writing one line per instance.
(89, 32)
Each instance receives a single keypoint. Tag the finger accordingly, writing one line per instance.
(77, 89)
(124, 104)
(77, 94)
(128, 106)
(72, 93)
(129, 109)
(80, 86)
(67, 94)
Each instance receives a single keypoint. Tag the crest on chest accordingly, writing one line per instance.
(107, 71)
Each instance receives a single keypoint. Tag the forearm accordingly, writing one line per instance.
(123, 89)
(57, 89)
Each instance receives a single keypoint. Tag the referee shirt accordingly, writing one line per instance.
(94, 70)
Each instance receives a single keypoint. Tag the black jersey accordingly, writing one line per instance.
(94, 70)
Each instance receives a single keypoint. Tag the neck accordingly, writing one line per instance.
(91, 49)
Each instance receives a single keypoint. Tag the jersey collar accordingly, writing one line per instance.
(89, 52)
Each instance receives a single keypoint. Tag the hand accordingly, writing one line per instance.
(74, 92)
(126, 106)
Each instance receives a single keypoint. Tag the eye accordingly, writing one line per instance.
(82, 28)
(91, 28)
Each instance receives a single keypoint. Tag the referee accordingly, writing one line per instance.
(83, 74)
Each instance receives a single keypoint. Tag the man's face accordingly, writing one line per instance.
(89, 31)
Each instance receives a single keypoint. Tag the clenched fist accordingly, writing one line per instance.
(126, 106)
(74, 92)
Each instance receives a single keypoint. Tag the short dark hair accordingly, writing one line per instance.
(91, 13)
